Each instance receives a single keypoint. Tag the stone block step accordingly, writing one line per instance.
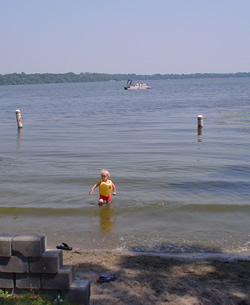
(61, 280)
(49, 262)
(6, 280)
(29, 245)
(14, 264)
(6, 244)
(28, 281)
(79, 292)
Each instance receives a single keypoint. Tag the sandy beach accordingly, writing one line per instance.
(169, 279)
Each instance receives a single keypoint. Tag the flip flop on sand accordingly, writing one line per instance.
(105, 278)
(63, 246)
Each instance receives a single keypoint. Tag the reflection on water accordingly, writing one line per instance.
(19, 138)
(107, 218)
(199, 134)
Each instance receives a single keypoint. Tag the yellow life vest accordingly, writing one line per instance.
(105, 188)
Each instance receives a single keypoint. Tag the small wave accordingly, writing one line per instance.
(174, 248)
(215, 208)
(44, 212)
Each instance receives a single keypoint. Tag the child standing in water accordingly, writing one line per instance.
(105, 188)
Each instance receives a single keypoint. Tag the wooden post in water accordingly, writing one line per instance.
(19, 119)
(199, 127)
(200, 121)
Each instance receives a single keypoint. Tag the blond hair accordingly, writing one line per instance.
(105, 171)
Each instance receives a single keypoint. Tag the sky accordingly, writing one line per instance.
(114, 36)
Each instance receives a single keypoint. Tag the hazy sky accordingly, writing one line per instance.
(115, 36)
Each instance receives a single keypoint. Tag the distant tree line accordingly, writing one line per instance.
(49, 78)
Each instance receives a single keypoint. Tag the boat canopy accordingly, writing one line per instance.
(131, 80)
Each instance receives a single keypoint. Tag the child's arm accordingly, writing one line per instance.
(95, 186)
(114, 189)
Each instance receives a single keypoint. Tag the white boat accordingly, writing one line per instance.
(134, 84)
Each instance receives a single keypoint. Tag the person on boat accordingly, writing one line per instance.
(105, 187)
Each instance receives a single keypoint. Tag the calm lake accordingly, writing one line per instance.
(177, 190)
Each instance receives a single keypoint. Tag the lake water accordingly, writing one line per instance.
(177, 190)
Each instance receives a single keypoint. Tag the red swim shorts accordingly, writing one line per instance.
(105, 198)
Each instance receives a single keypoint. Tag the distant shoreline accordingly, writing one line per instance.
(53, 78)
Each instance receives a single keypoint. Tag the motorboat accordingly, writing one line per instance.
(134, 84)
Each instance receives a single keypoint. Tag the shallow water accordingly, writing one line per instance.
(177, 190)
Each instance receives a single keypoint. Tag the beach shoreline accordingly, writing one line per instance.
(184, 256)
(164, 278)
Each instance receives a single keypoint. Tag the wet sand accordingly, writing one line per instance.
(168, 279)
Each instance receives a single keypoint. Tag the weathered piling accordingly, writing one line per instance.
(200, 121)
(19, 119)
